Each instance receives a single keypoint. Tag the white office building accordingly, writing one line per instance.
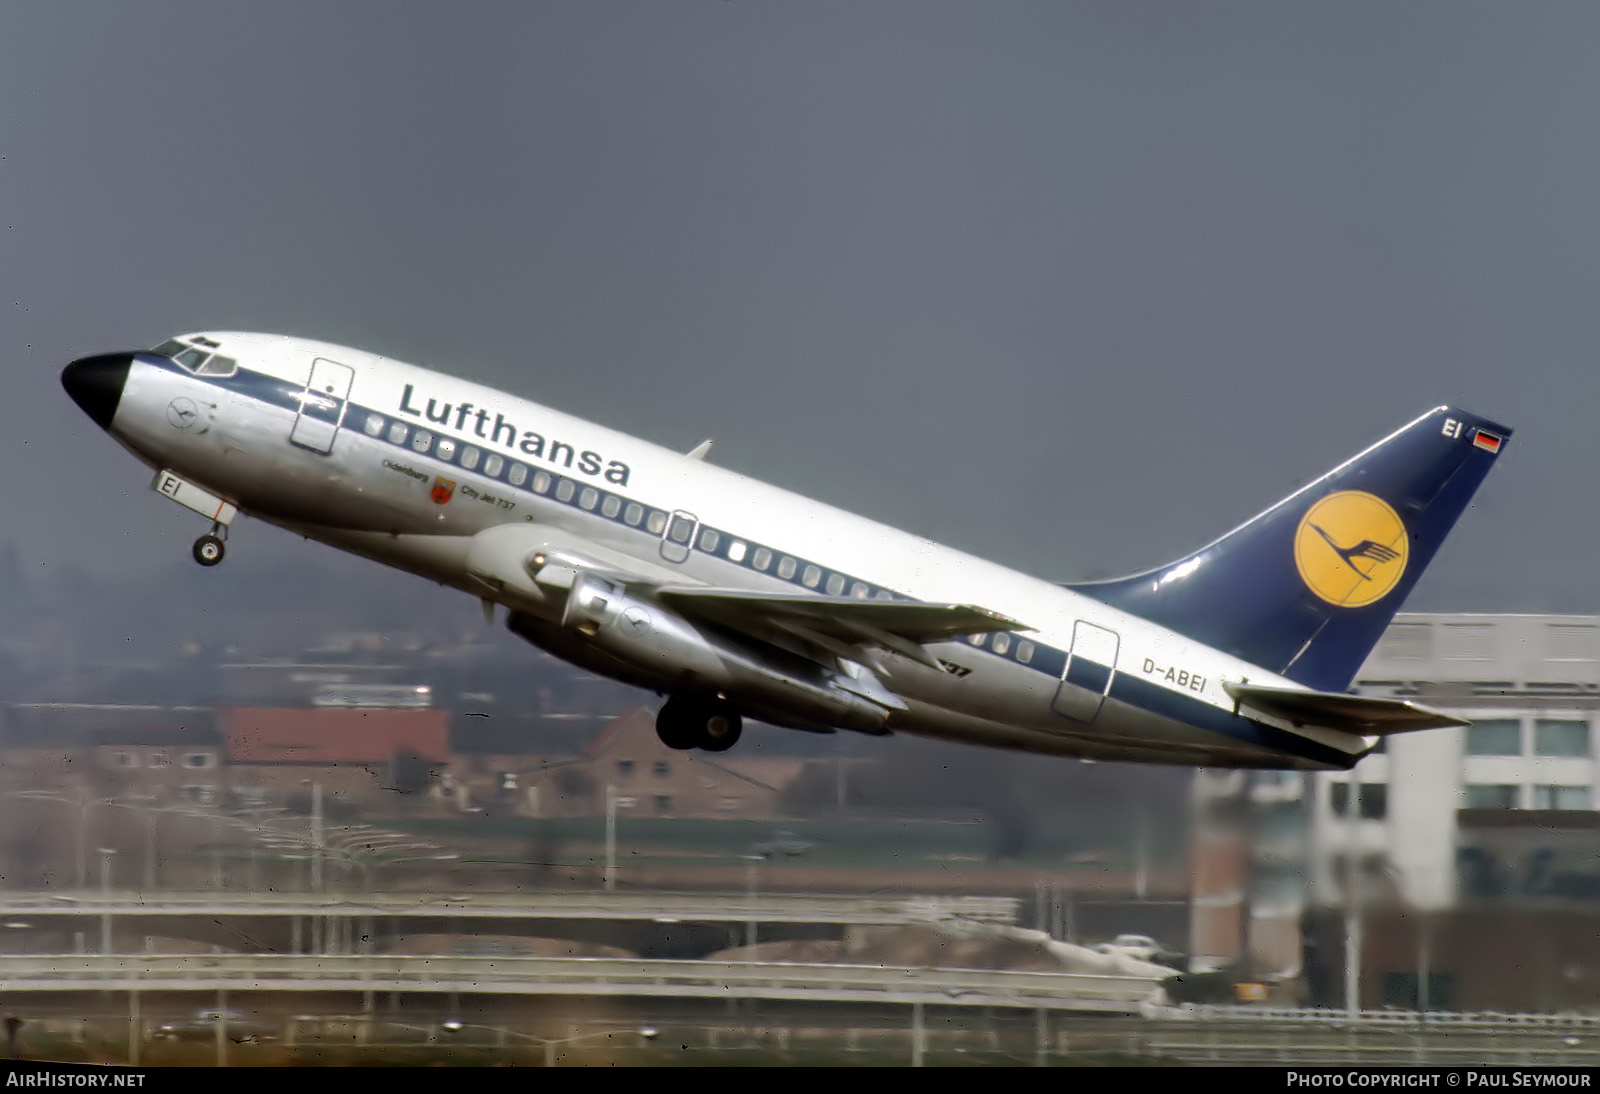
(1530, 684)
(1468, 827)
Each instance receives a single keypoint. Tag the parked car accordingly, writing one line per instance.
(236, 1027)
(786, 844)
(1140, 947)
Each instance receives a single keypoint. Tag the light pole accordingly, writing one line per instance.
(1352, 911)
(105, 903)
(613, 801)
(1141, 861)
(750, 889)
(316, 835)
(150, 852)
(916, 1034)
(83, 840)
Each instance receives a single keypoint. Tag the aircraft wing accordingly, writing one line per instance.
(842, 617)
(1365, 716)
(508, 557)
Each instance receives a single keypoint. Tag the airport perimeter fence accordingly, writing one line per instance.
(915, 1037)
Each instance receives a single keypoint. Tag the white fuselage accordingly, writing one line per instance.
(365, 476)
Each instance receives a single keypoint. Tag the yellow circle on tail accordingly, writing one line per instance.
(1350, 548)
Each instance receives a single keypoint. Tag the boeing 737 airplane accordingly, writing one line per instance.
(738, 600)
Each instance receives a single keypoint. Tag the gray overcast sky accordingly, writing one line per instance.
(1076, 286)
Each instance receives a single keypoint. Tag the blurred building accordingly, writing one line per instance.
(1470, 857)
(358, 756)
(178, 764)
(627, 757)
(1249, 885)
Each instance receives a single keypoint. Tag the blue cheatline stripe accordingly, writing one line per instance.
(1144, 694)
(1088, 675)
(421, 442)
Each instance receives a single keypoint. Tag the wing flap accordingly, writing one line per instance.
(1363, 715)
(877, 622)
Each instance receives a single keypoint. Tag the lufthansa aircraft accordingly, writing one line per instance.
(735, 599)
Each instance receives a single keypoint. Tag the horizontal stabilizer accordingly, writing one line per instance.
(1363, 715)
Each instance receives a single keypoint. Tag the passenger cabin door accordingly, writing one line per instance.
(678, 538)
(322, 406)
(1091, 666)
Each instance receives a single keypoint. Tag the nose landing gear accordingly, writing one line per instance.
(209, 548)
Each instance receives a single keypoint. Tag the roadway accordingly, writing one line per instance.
(652, 924)
(638, 907)
(454, 976)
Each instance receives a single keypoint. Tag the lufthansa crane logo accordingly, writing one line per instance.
(637, 621)
(182, 412)
(1350, 548)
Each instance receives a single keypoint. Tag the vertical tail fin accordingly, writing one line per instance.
(1307, 587)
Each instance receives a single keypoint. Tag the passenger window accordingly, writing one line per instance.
(786, 567)
(859, 591)
(541, 482)
(611, 506)
(374, 425)
(589, 498)
(682, 529)
(762, 559)
(1024, 651)
(397, 433)
(493, 464)
(835, 584)
(883, 594)
(447, 448)
(469, 457)
(519, 474)
(421, 439)
(657, 521)
(1002, 642)
(634, 514)
(811, 577)
(736, 551)
(565, 491)
(975, 639)
(709, 540)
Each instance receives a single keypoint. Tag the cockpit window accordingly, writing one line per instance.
(197, 357)
(218, 365)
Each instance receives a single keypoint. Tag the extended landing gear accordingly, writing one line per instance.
(709, 724)
(209, 548)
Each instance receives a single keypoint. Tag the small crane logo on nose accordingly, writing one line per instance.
(182, 413)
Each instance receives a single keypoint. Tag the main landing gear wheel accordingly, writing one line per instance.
(208, 550)
(684, 724)
(720, 729)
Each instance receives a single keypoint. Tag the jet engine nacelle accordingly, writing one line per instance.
(679, 653)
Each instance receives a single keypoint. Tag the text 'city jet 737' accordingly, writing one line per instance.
(736, 600)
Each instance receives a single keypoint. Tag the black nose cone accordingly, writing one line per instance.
(95, 384)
